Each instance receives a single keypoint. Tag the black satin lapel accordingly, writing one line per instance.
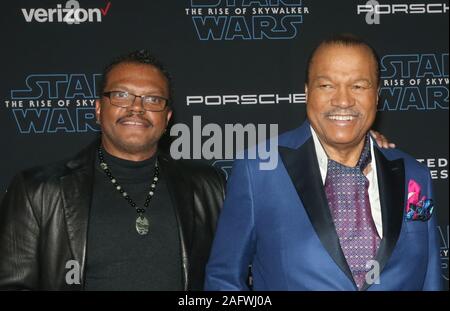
(181, 193)
(77, 194)
(303, 168)
(391, 187)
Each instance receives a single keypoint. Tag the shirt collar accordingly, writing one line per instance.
(322, 157)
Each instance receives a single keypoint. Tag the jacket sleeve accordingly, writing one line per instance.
(19, 239)
(433, 279)
(233, 245)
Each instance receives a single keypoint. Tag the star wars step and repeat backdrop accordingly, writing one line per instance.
(237, 65)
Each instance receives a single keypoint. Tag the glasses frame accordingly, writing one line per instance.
(108, 95)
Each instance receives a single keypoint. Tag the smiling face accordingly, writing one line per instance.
(133, 133)
(342, 94)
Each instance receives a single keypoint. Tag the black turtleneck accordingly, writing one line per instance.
(118, 258)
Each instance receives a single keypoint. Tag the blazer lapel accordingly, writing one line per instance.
(303, 169)
(181, 193)
(391, 187)
(76, 191)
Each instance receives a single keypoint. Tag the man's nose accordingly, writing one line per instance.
(137, 105)
(343, 98)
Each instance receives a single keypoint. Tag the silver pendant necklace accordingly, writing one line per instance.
(142, 223)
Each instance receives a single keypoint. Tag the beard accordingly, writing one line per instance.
(134, 148)
(132, 145)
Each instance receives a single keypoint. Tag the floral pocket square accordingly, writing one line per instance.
(418, 208)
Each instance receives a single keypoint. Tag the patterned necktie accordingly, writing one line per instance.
(346, 189)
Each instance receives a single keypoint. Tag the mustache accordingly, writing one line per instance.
(342, 112)
(132, 117)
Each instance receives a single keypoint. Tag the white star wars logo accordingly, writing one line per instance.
(373, 9)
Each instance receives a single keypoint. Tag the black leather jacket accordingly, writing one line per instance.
(44, 218)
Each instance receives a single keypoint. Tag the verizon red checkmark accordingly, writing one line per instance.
(106, 9)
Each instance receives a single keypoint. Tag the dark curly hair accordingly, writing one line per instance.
(135, 57)
(345, 39)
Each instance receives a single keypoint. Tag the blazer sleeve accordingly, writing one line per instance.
(19, 235)
(234, 242)
(433, 279)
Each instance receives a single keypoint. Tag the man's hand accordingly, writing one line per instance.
(381, 140)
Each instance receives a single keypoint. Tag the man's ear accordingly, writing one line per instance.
(378, 95)
(169, 116)
(98, 109)
(306, 93)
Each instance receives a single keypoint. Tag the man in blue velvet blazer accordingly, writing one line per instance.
(280, 222)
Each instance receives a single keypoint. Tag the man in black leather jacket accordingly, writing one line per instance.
(121, 215)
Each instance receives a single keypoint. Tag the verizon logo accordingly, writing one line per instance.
(70, 14)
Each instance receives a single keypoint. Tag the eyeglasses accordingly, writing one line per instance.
(125, 99)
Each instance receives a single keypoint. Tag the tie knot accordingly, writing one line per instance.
(364, 159)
